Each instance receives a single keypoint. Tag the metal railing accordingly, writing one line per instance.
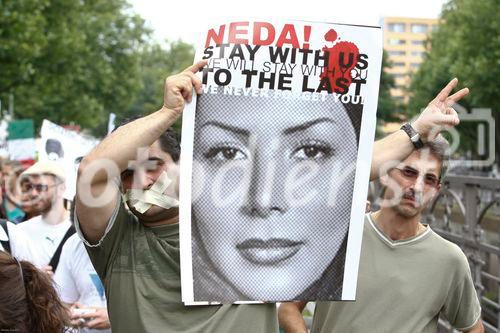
(467, 212)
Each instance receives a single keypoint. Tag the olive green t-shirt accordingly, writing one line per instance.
(140, 269)
(403, 286)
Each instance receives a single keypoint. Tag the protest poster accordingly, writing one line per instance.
(275, 161)
(66, 147)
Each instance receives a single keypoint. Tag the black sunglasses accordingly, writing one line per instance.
(412, 174)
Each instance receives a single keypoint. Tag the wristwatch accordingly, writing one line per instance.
(414, 136)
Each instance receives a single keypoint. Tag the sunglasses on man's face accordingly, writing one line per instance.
(412, 174)
(28, 187)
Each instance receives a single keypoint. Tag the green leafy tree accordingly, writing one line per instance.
(465, 45)
(22, 39)
(157, 62)
(85, 65)
(386, 108)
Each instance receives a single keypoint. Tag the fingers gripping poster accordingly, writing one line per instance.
(275, 161)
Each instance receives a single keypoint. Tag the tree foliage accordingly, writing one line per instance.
(22, 39)
(68, 60)
(157, 62)
(465, 45)
(386, 109)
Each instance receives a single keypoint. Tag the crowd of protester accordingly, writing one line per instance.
(48, 283)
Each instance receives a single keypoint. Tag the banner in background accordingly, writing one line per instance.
(66, 147)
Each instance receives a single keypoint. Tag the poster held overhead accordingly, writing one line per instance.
(67, 148)
(275, 161)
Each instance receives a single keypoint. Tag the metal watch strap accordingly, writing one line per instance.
(414, 136)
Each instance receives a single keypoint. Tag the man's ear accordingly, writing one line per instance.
(173, 173)
(61, 188)
(384, 180)
(438, 189)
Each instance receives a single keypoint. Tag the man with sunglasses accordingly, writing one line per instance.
(408, 274)
(43, 186)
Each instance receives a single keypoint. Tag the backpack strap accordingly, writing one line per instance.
(5, 244)
(54, 261)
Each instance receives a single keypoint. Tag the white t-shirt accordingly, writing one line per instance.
(76, 279)
(20, 245)
(45, 237)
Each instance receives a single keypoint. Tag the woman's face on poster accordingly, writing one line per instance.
(272, 190)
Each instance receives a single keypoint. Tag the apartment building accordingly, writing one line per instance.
(404, 41)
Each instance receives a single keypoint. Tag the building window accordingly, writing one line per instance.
(399, 75)
(417, 53)
(396, 27)
(417, 42)
(395, 41)
(399, 64)
(415, 65)
(419, 28)
(397, 53)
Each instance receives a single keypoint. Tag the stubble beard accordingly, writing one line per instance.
(406, 211)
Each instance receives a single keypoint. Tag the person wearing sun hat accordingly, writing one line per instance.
(46, 167)
(43, 184)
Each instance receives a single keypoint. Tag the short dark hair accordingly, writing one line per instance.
(440, 148)
(169, 140)
(170, 143)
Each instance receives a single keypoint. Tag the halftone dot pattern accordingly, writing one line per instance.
(262, 246)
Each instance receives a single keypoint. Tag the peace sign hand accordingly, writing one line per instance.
(439, 114)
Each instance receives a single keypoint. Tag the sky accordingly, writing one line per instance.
(185, 19)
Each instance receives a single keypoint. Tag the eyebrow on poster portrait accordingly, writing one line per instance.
(271, 152)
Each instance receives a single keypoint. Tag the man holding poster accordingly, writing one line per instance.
(136, 252)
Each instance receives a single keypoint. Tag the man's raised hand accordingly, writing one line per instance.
(179, 87)
(439, 114)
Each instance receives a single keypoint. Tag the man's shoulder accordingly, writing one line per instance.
(121, 223)
(445, 248)
(33, 220)
(31, 223)
(14, 231)
(73, 243)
